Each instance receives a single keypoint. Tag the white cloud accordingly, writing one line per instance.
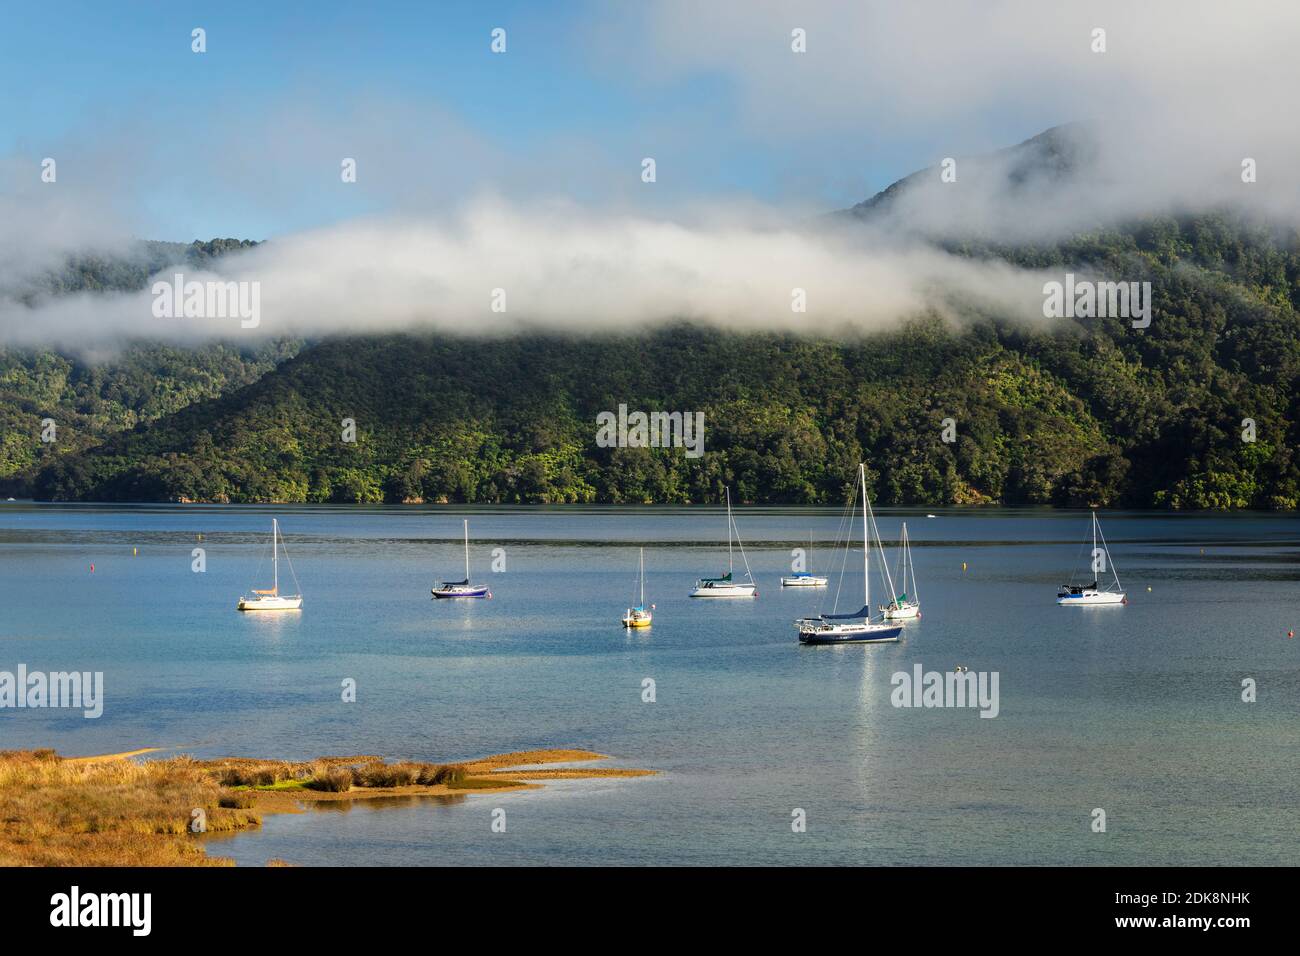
(1185, 90)
(562, 267)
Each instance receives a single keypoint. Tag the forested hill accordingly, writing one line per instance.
(122, 388)
(1085, 411)
(1065, 412)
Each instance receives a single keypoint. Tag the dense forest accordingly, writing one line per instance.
(1068, 412)
(90, 397)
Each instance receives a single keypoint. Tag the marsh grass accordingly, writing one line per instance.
(334, 774)
(332, 780)
(55, 812)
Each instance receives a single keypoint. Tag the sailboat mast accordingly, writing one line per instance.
(643, 577)
(729, 559)
(911, 565)
(275, 557)
(466, 550)
(904, 543)
(866, 548)
(1094, 545)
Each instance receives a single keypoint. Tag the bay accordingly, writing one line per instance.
(1135, 710)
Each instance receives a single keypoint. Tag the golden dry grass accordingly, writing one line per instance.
(56, 812)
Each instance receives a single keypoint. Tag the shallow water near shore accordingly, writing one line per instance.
(1135, 710)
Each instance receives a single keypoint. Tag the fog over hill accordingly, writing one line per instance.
(947, 327)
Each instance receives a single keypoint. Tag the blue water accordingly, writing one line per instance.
(1135, 710)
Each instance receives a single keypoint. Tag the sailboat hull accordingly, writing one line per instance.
(850, 634)
(1092, 599)
(270, 604)
(804, 581)
(473, 591)
(908, 612)
(726, 591)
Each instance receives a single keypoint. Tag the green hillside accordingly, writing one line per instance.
(1085, 411)
(1065, 412)
(120, 388)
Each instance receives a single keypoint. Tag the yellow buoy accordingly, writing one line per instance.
(135, 550)
(963, 565)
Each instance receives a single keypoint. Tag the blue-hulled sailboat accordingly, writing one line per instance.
(858, 627)
(462, 589)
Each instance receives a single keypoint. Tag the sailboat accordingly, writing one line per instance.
(461, 589)
(273, 600)
(725, 586)
(905, 606)
(1088, 595)
(856, 628)
(803, 579)
(639, 616)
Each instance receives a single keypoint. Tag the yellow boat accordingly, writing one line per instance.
(640, 615)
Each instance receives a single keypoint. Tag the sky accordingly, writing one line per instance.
(523, 170)
(245, 139)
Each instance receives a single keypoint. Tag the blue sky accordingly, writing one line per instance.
(245, 140)
(479, 171)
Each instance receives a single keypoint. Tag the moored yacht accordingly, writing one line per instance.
(1095, 594)
(271, 599)
(858, 627)
(726, 586)
(461, 589)
(639, 616)
(905, 606)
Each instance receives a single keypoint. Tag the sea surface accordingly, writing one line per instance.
(1136, 710)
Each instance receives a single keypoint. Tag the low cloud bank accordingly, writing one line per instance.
(497, 268)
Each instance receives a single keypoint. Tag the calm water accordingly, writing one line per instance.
(1136, 710)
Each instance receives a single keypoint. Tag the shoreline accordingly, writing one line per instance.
(498, 773)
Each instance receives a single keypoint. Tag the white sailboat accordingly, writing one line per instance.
(640, 615)
(905, 606)
(726, 586)
(855, 628)
(273, 600)
(461, 589)
(804, 579)
(1091, 595)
